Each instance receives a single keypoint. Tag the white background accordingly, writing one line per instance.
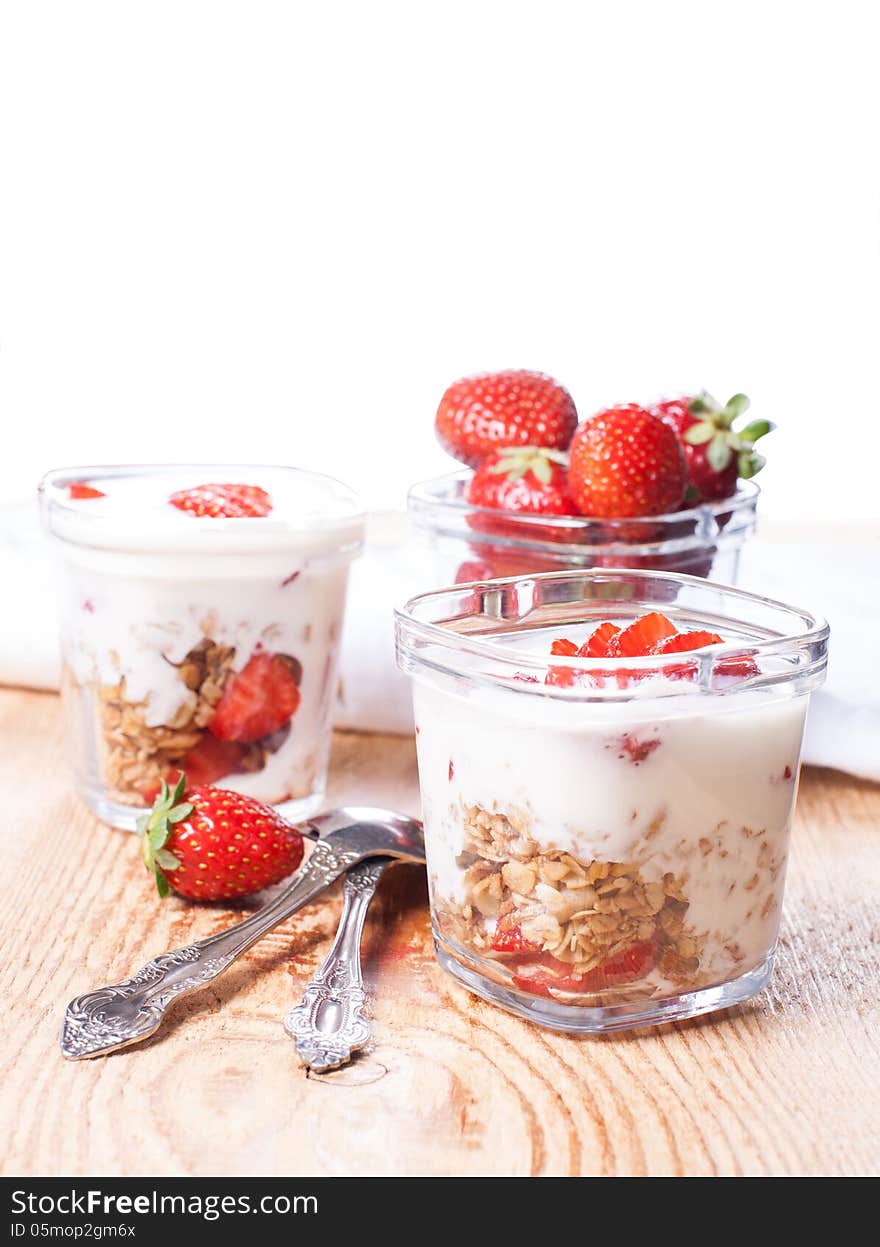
(266, 231)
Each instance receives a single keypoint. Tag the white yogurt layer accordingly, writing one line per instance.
(711, 801)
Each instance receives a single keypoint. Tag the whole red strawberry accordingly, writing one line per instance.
(515, 408)
(716, 454)
(526, 478)
(224, 500)
(211, 844)
(625, 462)
(259, 699)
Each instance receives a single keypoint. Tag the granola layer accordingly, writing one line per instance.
(522, 900)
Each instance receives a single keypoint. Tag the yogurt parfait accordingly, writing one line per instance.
(608, 765)
(201, 614)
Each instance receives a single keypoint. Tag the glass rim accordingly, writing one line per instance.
(811, 638)
(438, 504)
(71, 522)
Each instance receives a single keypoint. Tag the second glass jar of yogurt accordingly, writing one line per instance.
(201, 615)
(607, 836)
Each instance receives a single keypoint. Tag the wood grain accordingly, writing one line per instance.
(787, 1085)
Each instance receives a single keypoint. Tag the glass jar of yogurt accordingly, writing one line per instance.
(199, 642)
(465, 542)
(607, 837)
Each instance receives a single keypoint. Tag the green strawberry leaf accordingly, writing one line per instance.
(719, 453)
(700, 433)
(749, 464)
(159, 833)
(757, 428)
(157, 827)
(703, 405)
(541, 470)
(737, 406)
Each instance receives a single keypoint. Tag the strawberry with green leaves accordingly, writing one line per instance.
(717, 455)
(529, 479)
(211, 844)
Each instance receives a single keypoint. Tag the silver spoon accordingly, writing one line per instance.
(329, 1023)
(124, 1013)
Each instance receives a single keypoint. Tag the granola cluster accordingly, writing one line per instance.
(583, 914)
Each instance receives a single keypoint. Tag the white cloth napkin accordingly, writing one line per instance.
(830, 571)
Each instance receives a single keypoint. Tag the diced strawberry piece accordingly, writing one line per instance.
(211, 759)
(258, 700)
(546, 972)
(642, 635)
(563, 648)
(510, 939)
(638, 750)
(599, 643)
(626, 967)
(79, 490)
(684, 641)
(736, 668)
(560, 677)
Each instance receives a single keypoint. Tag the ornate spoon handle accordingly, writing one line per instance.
(329, 1024)
(123, 1013)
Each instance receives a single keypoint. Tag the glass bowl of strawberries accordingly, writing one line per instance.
(608, 763)
(665, 486)
(201, 612)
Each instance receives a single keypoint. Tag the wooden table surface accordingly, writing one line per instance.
(785, 1085)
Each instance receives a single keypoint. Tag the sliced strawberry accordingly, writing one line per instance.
(223, 500)
(737, 668)
(541, 974)
(80, 490)
(563, 648)
(684, 641)
(258, 700)
(599, 643)
(640, 638)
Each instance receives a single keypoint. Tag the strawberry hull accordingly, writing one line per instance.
(209, 644)
(607, 853)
